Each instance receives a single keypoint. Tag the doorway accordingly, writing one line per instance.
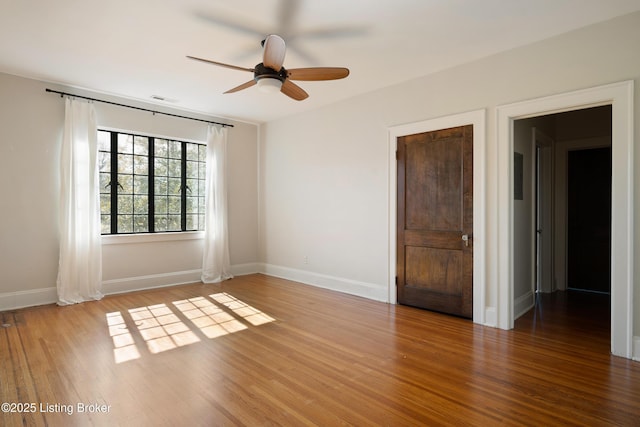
(620, 97)
(563, 226)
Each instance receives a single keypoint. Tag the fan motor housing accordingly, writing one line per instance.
(260, 72)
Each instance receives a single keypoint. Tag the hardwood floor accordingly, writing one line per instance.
(571, 316)
(258, 350)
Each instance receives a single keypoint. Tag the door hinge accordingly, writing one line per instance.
(397, 155)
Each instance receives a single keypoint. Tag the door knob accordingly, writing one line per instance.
(465, 239)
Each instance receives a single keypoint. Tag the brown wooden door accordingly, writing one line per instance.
(435, 211)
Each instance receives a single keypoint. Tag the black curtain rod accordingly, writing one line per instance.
(137, 108)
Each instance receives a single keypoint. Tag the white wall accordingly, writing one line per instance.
(324, 173)
(522, 221)
(324, 201)
(30, 133)
(31, 122)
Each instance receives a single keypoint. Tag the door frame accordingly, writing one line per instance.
(545, 142)
(477, 119)
(620, 96)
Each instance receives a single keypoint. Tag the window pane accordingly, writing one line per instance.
(175, 167)
(192, 151)
(105, 179)
(105, 224)
(125, 143)
(161, 185)
(160, 167)
(141, 205)
(192, 205)
(192, 187)
(105, 204)
(201, 222)
(141, 145)
(140, 223)
(175, 149)
(174, 205)
(202, 153)
(174, 223)
(161, 223)
(125, 205)
(161, 205)
(125, 223)
(174, 186)
(161, 148)
(141, 184)
(126, 184)
(104, 162)
(192, 169)
(125, 163)
(141, 165)
(192, 222)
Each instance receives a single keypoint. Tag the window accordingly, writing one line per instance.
(150, 185)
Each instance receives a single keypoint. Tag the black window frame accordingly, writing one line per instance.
(185, 191)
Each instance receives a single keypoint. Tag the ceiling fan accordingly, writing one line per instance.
(286, 24)
(271, 76)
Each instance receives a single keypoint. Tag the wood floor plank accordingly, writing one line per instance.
(19, 375)
(259, 350)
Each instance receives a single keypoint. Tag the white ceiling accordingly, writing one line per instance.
(136, 48)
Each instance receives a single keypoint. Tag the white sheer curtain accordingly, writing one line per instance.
(80, 264)
(216, 265)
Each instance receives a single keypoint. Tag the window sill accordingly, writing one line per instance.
(121, 239)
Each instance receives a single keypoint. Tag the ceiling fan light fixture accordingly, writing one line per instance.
(270, 76)
(269, 85)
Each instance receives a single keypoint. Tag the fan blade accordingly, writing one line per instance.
(302, 53)
(242, 86)
(213, 18)
(329, 33)
(287, 12)
(294, 91)
(233, 67)
(318, 73)
(274, 50)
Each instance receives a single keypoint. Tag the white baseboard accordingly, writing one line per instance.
(30, 298)
(523, 304)
(35, 297)
(152, 281)
(244, 269)
(636, 349)
(348, 286)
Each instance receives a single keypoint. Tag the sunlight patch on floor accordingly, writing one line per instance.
(162, 328)
(212, 320)
(124, 346)
(242, 309)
